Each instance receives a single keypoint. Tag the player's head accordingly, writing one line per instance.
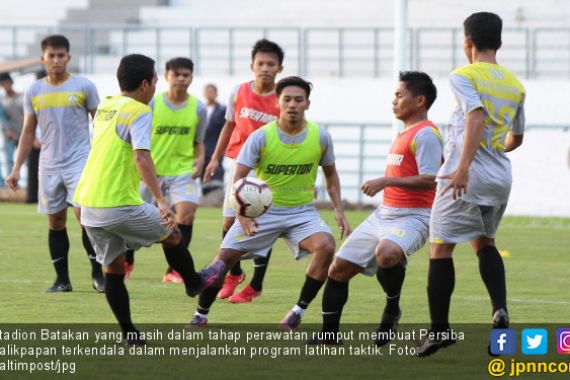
(293, 98)
(414, 96)
(482, 31)
(55, 54)
(137, 76)
(266, 61)
(179, 73)
(6, 81)
(210, 93)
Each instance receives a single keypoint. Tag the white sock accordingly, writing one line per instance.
(298, 310)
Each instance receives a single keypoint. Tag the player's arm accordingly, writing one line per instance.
(199, 149)
(24, 148)
(416, 182)
(333, 189)
(515, 136)
(200, 159)
(221, 146)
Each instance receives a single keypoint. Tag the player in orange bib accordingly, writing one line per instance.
(251, 105)
(382, 244)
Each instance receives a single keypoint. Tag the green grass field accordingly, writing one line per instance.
(537, 278)
(537, 275)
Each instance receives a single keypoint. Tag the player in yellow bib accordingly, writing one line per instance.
(178, 126)
(286, 155)
(114, 214)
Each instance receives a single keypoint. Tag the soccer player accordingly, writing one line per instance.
(286, 154)
(252, 104)
(475, 179)
(178, 126)
(113, 212)
(60, 104)
(383, 243)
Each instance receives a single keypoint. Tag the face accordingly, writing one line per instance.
(210, 93)
(265, 67)
(293, 103)
(6, 85)
(179, 79)
(55, 60)
(405, 104)
(148, 89)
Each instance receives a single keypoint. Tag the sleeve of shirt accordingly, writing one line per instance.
(465, 93)
(140, 131)
(92, 96)
(230, 113)
(251, 151)
(327, 148)
(201, 128)
(428, 146)
(518, 126)
(28, 106)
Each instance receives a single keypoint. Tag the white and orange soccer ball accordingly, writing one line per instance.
(250, 197)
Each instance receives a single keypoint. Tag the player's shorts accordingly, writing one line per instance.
(294, 224)
(141, 226)
(56, 191)
(407, 227)
(456, 221)
(176, 189)
(228, 210)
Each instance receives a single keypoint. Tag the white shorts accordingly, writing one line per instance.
(407, 227)
(294, 224)
(228, 210)
(140, 227)
(176, 189)
(456, 221)
(56, 191)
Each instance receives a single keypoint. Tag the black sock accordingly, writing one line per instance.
(309, 291)
(492, 272)
(392, 279)
(180, 260)
(236, 269)
(118, 298)
(58, 242)
(95, 266)
(186, 231)
(130, 256)
(334, 298)
(441, 281)
(207, 298)
(259, 269)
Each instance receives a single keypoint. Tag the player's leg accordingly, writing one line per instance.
(58, 243)
(97, 280)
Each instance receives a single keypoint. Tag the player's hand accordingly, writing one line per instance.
(10, 134)
(198, 168)
(343, 225)
(249, 225)
(13, 179)
(210, 170)
(457, 181)
(168, 218)
(374, 186)
(37, 144)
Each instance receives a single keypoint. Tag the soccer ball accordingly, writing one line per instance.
(250, 197)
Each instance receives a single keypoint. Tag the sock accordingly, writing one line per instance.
(130, 256)
(180, 260)
(95, 266)
(207, 298)
(186, 231)
(334, 298)
(309, 291)
(236, 269)
(118, 298)
(492, 272)
(441, 281)
(392, 279)
(259, 269)
(58, 242)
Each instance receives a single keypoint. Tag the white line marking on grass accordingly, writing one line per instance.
(516, 300)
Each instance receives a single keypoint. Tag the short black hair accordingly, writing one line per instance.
(293, 81)
(484, 28)
(180, 63)
(133, 70)
(211, 85)
(266, 46)
(419, 83)
(5, 77)
(55, 40)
